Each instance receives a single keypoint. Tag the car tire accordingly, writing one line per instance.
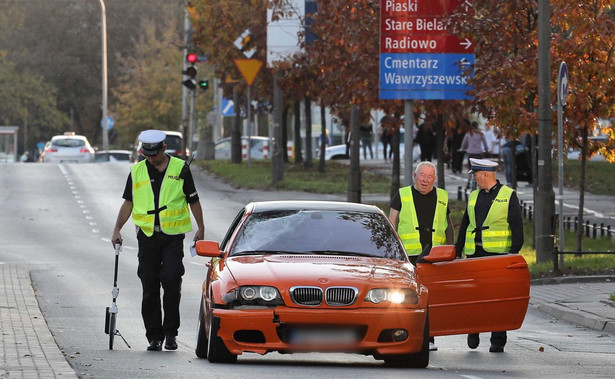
(416, 360)
(216, 350)
(201, 335)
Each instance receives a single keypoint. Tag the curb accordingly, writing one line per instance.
(573, 279)
(578, 317)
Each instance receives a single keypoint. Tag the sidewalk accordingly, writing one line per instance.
(29, 350)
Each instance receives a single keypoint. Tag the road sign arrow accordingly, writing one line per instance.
(467, 43)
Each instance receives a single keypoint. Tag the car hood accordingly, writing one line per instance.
(285, 271)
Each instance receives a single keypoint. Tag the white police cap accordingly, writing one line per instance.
(482, 165)
(152, 141)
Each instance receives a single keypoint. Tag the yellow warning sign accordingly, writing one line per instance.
(249, 68)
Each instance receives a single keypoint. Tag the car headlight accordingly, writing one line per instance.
(253, 296)
(392, 295)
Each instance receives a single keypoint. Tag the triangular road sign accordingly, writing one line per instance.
(249, 68)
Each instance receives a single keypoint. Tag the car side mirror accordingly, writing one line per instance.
(208, 249)
(442, 253)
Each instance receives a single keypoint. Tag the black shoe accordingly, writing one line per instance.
(496, 349)
(473, 341)
(155, 345)
(170, 343)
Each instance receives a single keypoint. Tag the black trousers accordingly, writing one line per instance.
(160, 264)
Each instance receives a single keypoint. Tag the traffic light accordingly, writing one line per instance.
(204, 84)
(190, 71)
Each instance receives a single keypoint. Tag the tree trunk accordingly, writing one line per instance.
(279, 146)
(236, 131)
(323, 138)
(309, 158)
(354, 175)
(439, 148)
(582, 191)
(395, 182)
(297, 116)
(284, 141)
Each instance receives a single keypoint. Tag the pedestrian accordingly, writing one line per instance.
(421, 216)
(159, 190)
(461, 126)
(508, 154)
(475, 145)
(387, 127)
(426, 139)
(491, 225)
(366, 133)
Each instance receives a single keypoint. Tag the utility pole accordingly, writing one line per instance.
(185, 93)
(544, 199)
(103, 25)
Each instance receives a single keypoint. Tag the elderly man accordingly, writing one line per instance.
(421, 216)
(491, 225)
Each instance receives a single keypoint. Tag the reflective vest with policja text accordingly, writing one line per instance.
(408, 221)
(496, 233)
(172, 207)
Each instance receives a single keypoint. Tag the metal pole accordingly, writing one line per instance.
(191, 121)
(103, 22)
(560, 163)
(184, 120)
(408, 141)
(248, 106)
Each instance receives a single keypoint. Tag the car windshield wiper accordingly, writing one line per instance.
(337, 252)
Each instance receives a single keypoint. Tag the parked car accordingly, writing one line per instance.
(112, 156)
(257, 151)
(316, 276)
(336, 152)
(173, 142)
(68, 147)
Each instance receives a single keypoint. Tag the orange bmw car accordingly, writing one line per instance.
(330, 276)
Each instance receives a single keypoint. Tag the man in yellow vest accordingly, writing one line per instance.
(492, 225)
(421, 216)
(160, 193)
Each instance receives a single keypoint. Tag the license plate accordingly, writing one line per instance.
(323, 337)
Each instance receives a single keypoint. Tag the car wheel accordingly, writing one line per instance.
(416, 360)
(216, 350)
(201, 335)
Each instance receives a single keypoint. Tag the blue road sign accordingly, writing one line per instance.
(412, 76)
(110, 123)
(228, 107)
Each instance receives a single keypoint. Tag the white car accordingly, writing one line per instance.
(68, 147)
(112, 156)
(257, 150)
(339, 151)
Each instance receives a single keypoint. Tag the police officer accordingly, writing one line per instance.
(491, 225)
(421, 216)
(159, 190)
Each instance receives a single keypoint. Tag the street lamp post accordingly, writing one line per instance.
(105, 131)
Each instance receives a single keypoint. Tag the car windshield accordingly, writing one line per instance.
(68, 142)
(318, 232)
(173, 142)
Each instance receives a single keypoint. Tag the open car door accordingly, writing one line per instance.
(474, 295)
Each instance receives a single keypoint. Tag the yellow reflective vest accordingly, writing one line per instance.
(173, 209)
(408, 221)
(496, 233)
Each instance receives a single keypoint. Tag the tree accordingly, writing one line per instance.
(28, 100)
(149, 96)
(505, 78)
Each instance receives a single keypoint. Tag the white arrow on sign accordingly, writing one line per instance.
(467, 43)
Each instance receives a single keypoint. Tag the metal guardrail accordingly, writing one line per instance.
(557, 253)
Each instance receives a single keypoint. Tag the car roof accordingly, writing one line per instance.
(308, 205)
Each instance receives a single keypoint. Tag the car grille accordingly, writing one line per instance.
(313, 296)
(339, 296)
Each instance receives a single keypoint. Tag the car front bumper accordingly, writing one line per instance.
(273, 326)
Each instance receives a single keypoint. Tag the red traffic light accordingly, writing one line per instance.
(191, 58)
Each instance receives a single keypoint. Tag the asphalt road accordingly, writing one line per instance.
(57, 219)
